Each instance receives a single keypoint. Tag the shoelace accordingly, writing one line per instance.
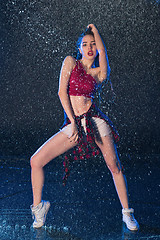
(132, 219)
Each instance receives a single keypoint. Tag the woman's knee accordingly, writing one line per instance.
(35, 162)
(114, 168)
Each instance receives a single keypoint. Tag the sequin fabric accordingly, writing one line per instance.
(81, 83)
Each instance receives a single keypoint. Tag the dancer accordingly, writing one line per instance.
(86, 129)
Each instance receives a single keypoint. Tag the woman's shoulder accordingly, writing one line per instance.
(70, 60)
(69, 63)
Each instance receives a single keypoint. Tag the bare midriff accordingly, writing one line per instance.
(80, 104)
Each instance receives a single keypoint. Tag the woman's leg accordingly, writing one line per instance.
(111, 158)
(55, 146)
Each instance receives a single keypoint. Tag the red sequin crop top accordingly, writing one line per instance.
(81, 83)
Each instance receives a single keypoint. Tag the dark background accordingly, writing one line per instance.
(35, 38)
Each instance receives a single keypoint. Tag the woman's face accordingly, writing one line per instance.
(88, 47)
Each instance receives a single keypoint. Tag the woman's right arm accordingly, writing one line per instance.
(67, 67)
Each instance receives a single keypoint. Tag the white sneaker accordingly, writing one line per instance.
(129, 219)
(39, 213)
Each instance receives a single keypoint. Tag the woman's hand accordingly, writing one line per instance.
(93, 28)
(74, 135)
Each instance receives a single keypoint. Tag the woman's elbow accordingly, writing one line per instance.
(62, 94)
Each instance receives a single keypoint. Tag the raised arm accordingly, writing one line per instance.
(66, 70)
(102, 53)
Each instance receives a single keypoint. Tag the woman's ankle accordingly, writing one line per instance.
(36, 203)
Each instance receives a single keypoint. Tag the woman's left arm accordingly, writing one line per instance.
(102, 53)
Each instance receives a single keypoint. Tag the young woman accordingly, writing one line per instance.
(86, 127)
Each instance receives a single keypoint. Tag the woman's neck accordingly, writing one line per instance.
(87, 63)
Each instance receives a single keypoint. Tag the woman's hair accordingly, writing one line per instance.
(88, 31)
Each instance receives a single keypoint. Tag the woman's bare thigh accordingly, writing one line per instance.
(53, 147)
(109, 151)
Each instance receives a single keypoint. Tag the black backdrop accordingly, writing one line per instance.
(35, 38)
